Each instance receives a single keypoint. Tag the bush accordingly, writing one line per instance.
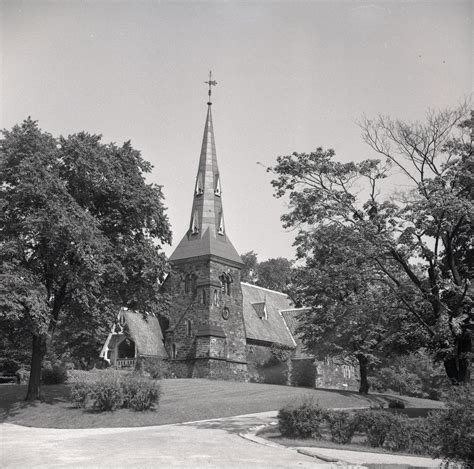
(155, 367)
(110, 390)
(80, 395)
(107, 392)
(398, 435)
(140, 393)
(396, 404)
(54, 374)
(375, 424)
(301, 421)
(342, 426)
(452, 427)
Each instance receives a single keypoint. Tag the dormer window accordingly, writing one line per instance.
(194, 223)
(217, 188)
(199, 185)
(261, 309)
(221, 225)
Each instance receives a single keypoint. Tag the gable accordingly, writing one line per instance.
(146, 333)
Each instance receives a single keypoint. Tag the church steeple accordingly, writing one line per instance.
(206, 235)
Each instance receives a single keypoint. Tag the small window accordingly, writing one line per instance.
(195, 223)
(188, 328)
(217, 189)
(221, 225)
(199, 185)
(216, 298)
(203, 297)
(173, 351)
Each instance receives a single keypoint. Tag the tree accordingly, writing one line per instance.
(421, 241)
(249, 270)
(275, 274)
(354, 315)
(80, 234)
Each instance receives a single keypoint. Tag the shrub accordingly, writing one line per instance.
(375, 424)
(140, 393)
(398, 435)
(110, 390)
(301, 421)
(54, 374)
(155, 367)
(421, 437)
(342, 426)
(452, 430)
(80, 394)
(396, 404)
(107, 392)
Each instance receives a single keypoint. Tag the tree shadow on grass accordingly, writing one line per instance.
(12, 399)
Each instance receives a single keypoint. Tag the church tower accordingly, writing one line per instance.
(206, 337)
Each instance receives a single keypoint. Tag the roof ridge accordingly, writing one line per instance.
(262, 288)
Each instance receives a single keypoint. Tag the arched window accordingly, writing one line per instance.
(187, 284)
(188, 328)
(203, 297)
(173, 351)
(216, 298)
(226, 280)
(193, 282)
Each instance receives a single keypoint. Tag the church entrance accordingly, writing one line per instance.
(125, 354)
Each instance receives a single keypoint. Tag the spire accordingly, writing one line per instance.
(206, 235)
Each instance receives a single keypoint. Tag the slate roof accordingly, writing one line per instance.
(291, 319)
(272, 329)
(146, 333)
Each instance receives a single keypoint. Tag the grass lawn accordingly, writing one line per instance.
(183, 400)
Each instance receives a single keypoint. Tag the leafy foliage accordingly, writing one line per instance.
(411, 254)
(80, 236)
(301, 420)
(452, 428)
(54, 374)
(109, 390)
(342, 426)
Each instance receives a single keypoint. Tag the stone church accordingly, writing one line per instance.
(219, 327)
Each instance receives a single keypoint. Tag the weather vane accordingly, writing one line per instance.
(211, 83)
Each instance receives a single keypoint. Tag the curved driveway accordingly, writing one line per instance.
(211, 443)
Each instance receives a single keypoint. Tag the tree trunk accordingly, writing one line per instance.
(458, 367)
(37, 355)
(364, 382)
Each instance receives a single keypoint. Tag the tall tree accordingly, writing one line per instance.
(422, 241)
(354, 314)
(275, 274)
(249, 270)
(80, 234)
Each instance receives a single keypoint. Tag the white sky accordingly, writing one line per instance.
(291, 76)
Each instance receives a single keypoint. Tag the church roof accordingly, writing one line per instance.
(146, 333)
(206, 235)
(292, 317)
(270, 327)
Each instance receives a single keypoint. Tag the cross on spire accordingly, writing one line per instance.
(211, 83)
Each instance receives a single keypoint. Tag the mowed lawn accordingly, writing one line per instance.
(183, 400)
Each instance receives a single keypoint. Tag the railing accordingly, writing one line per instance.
(125, 363)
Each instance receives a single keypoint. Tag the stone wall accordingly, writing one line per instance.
(209, 368)
(333, 374)
(206, 304)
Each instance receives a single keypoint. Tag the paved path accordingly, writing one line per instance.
(210, 443)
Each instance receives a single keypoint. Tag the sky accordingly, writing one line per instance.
(292, 76)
